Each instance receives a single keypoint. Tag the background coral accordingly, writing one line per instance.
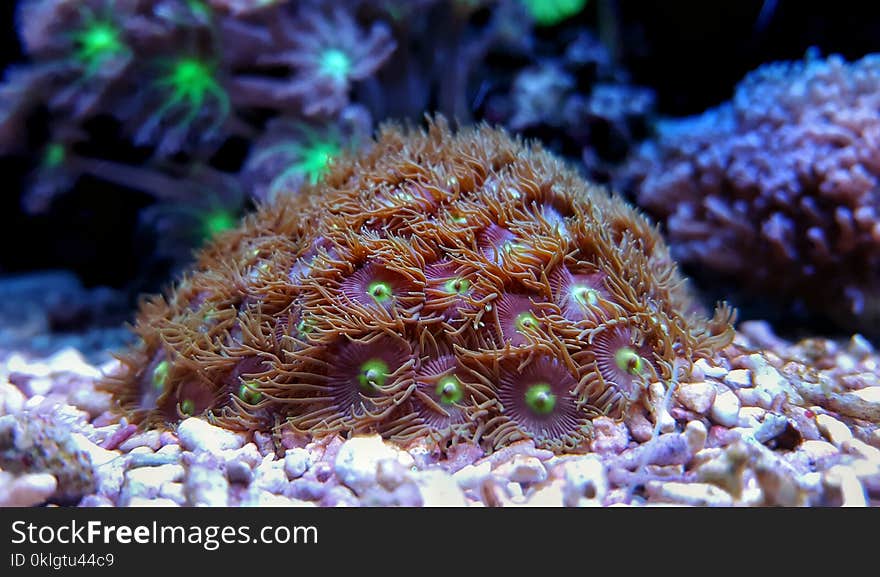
(153, 96)
(779, 187)
(570, 93)
(36, 443)
(266, 92)
(409, 293)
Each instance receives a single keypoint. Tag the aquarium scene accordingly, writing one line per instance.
(439, 253)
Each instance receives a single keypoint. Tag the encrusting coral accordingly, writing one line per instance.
(460, 286)
(779, 187)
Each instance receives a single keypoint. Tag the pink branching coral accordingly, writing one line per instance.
(420, 290)
(779, 188)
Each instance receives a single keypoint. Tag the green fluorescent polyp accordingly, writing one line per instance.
(187, 407)
(199, 9)
(310, 159)
(192, 79)
(97, 42)
(629, 361)
(217, 222)
(380, 291)
(540, 399)
(449, 390)
(304, 327)
(335, 63)
(160, 375)
(373, 374)
(249, 395)
(191, 82)
(457, 285)
(54, 155)
(552, 12)
(585, 296)
(511, 247)
(315, 157)
(525, 320)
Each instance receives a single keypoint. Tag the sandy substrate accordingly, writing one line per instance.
(768, 422)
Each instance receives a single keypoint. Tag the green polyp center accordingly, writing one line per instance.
(54, 155)
(187, 407)
(248, 394)
(192, 77)
(457, 285)
(585, 295)
(449, 390)
(551, 12)
(160, 375)
(540, 399)
(629, 361)
(380, 291)
(458, 218)
(526, 321)
(309, 159)
(219, 221)
(190, 82)
(304, 327)
(511, 247)
(316, 157)
(372, 374)
(335, 63)
(98, 41)
(198, 8)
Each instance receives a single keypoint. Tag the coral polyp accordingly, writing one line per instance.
(289, 154)
(356, 390)
(184, 106)
(382, 299)
(328, 52)
(189, 84)
(552, 12)
(578, 295)
(335, 64)
(538, 402)
(516, 318)
(97, 42)
(218, 221)
(440, 393)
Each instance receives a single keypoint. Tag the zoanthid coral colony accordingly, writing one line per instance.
(456, 286)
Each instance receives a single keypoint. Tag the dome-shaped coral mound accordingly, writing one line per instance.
(455, 286)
